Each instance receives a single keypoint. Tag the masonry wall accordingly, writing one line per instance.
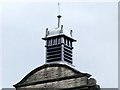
(56, 76)
(68, 83)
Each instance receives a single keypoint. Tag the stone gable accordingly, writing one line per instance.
(54, 75)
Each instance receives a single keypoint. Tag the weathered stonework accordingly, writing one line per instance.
(57, 76)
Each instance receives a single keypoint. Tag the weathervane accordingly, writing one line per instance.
(59, 16)
(58, 8)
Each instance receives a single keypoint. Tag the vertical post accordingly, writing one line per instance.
(59, 20)
(46, 52)
(71, 32)
(61, 31)
(62, 49)
(46, 32)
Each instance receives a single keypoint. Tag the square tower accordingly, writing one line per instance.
(59, 44)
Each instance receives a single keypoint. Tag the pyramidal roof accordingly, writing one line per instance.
(58, 31)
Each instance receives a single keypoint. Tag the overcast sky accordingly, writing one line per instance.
(94, 25)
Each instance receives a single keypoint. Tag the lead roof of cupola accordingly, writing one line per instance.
(58, 31)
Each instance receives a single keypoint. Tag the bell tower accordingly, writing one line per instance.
(59, 44)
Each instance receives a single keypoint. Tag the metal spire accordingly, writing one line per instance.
(58, 8)
(59, 16)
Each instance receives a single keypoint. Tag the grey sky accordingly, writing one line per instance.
(94, 26)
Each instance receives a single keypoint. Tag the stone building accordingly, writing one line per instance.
(58, 73)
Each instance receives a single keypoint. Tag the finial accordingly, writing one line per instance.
(59, 16)
(61, 31)
(47, 32)
(71, 33)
